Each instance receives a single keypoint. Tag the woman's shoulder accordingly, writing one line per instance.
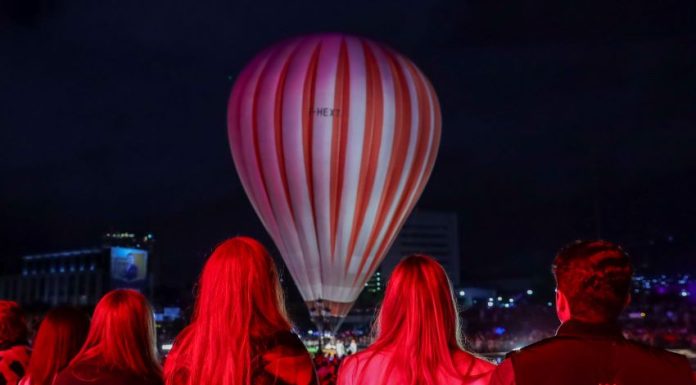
(284, 343)
(351, 365)
(286, 338)
(360, 359)
(13, 363)
(16, 353)
(368, 361)
(285, 357)
(471, 365)
(88, 373)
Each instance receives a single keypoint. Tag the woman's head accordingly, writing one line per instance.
(61, 334)
(419, 306)
(13, 324)
(418, 320)
(122, 334)
(239, 287)
(239, 299)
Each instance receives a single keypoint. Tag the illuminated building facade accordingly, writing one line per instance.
(82, 276)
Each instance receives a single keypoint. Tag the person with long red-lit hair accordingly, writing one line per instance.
(240, 333)
(61, 334)
(417, 334)
(120, 346)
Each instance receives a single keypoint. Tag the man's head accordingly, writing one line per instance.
(593, 280)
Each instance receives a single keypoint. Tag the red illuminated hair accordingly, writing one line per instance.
(121, 336)
(239, 299)
(61, 334)
(417, 323)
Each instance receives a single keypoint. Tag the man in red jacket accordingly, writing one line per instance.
(593, 280)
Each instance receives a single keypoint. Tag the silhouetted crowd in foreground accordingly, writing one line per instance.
(240, 334)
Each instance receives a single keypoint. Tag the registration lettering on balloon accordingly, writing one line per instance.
(325, 112)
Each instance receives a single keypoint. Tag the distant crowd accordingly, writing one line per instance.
(240, 333)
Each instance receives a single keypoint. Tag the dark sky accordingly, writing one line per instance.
(560, 121)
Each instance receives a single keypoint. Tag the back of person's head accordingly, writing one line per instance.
(239, 299)
(418, 321)
(13, 324)
(595, 278)
(121, 335)
(61, 334)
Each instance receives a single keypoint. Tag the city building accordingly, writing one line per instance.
(82, 276)
(433, 233)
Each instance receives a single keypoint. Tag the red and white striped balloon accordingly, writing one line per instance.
(334, 138)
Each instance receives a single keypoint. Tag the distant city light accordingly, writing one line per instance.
(511, 300)
(642, 314)
(549, 304)
(490, 304)
(166, 347)
(462, 293)
(500, 298)
(530, 292)
(684, 293)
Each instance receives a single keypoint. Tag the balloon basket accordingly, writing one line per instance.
(328, 316)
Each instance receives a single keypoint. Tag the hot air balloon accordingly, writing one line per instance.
(333, 138)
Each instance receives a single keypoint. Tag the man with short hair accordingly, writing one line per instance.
(593, 280)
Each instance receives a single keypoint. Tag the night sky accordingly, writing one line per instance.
(559, 121)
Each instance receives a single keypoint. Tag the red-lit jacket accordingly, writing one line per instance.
(280, 359)
(92, 374)
(14, 359)
(373, 369)
(590, 354)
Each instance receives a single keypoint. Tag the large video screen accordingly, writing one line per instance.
(128, 268)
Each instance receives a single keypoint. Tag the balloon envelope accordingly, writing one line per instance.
(334, 138)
